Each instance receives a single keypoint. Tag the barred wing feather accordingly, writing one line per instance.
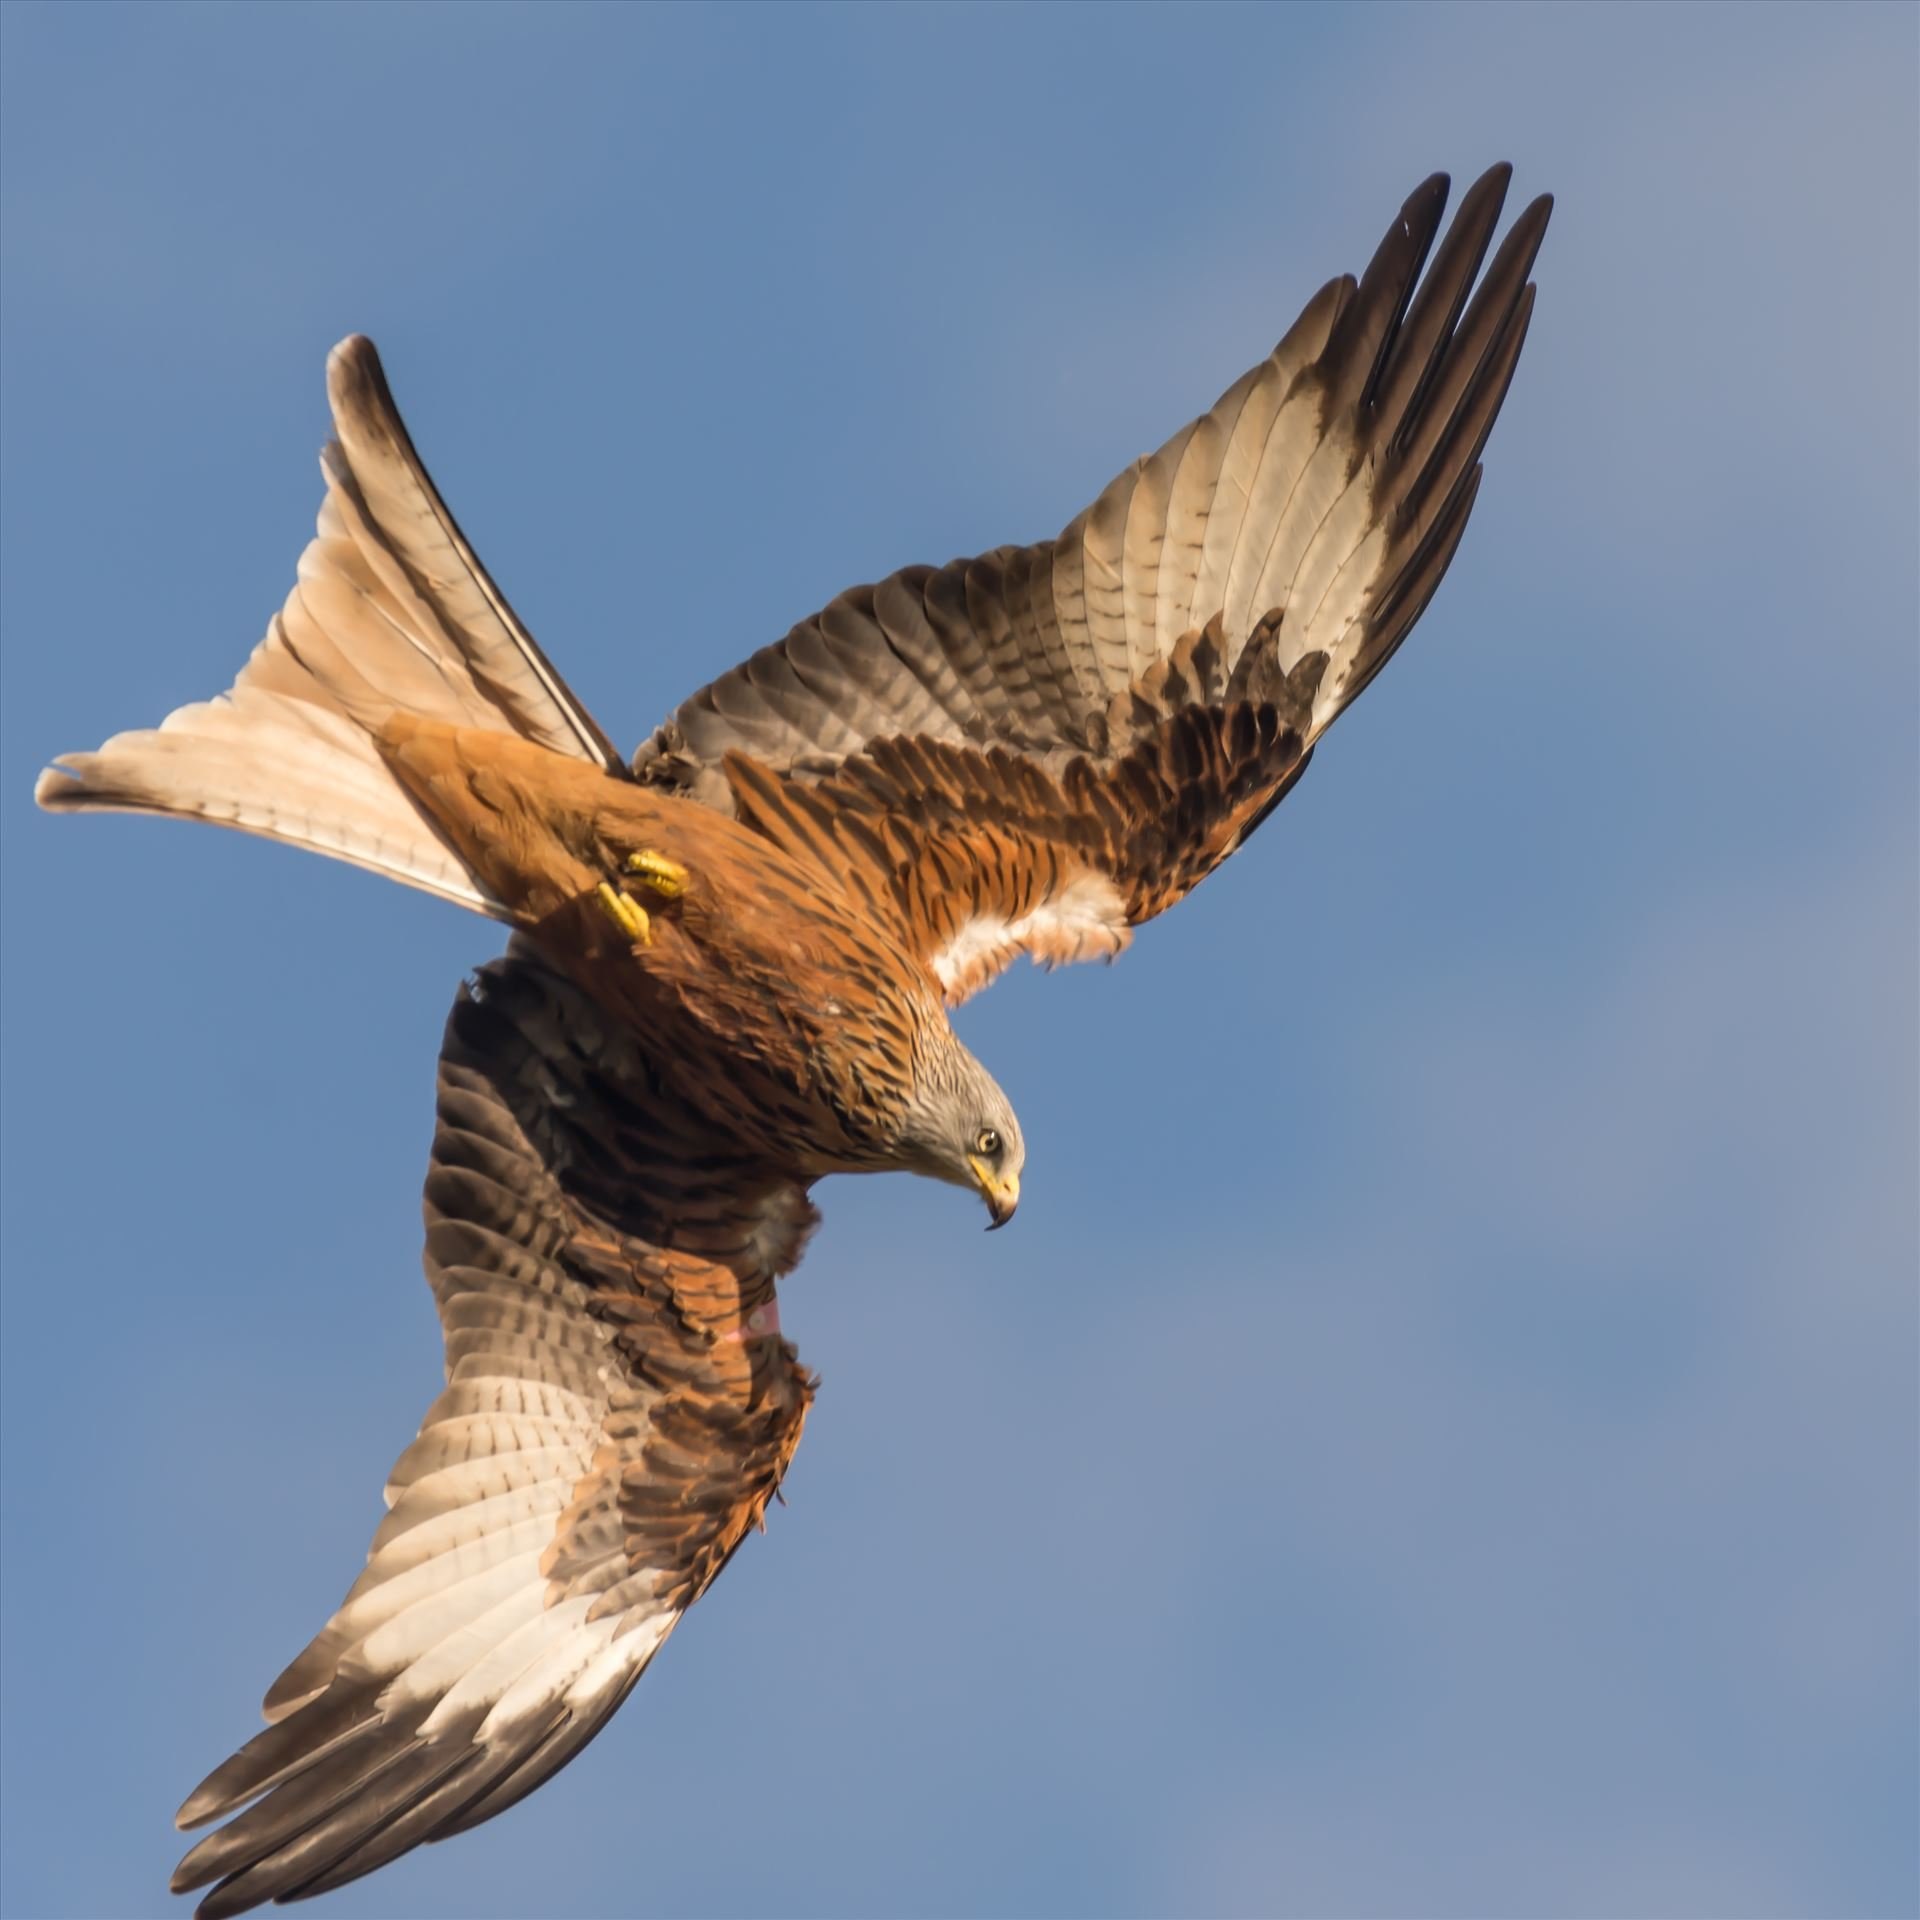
(619, 1409)
(1315, 506)
(1038, 749)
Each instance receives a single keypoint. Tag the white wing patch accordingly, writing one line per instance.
(1085, 920)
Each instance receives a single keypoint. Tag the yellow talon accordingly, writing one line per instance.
(654, 871)
(667, 878)
(626, 913)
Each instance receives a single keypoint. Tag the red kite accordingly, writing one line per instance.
(733, 959)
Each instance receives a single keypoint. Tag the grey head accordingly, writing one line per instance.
(960, 1127)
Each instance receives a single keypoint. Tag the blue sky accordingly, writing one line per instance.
(1441, 1437)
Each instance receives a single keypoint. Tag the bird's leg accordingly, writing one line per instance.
(667, 878)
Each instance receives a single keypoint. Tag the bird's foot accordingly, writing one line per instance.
(655, 872)
(667, 878)
(626, 913)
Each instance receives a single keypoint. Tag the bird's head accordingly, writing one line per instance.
(960, 1128)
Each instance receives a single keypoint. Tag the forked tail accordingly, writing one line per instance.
(392, 613)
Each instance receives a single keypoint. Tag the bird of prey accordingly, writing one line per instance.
(730, 970)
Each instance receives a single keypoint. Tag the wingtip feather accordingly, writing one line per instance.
(1428, 201)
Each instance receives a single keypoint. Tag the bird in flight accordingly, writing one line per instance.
(730, 968)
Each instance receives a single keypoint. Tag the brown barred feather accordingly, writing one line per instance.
(1307, 517)
(936, 838)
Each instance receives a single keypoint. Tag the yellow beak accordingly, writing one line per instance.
(1002, 1195)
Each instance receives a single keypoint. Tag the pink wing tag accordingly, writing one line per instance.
(760, 1323)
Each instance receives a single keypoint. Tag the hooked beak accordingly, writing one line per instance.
(1002, 1195)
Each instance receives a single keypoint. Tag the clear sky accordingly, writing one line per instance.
(1441, 1438)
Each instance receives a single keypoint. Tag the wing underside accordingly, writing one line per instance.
(1037, 749)
(619, 1409)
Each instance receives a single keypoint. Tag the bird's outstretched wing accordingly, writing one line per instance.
(1040, 748)
(619, 1410)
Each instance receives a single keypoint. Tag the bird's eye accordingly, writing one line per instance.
(987, 1144)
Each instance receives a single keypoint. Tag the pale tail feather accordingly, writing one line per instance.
(392, 613)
